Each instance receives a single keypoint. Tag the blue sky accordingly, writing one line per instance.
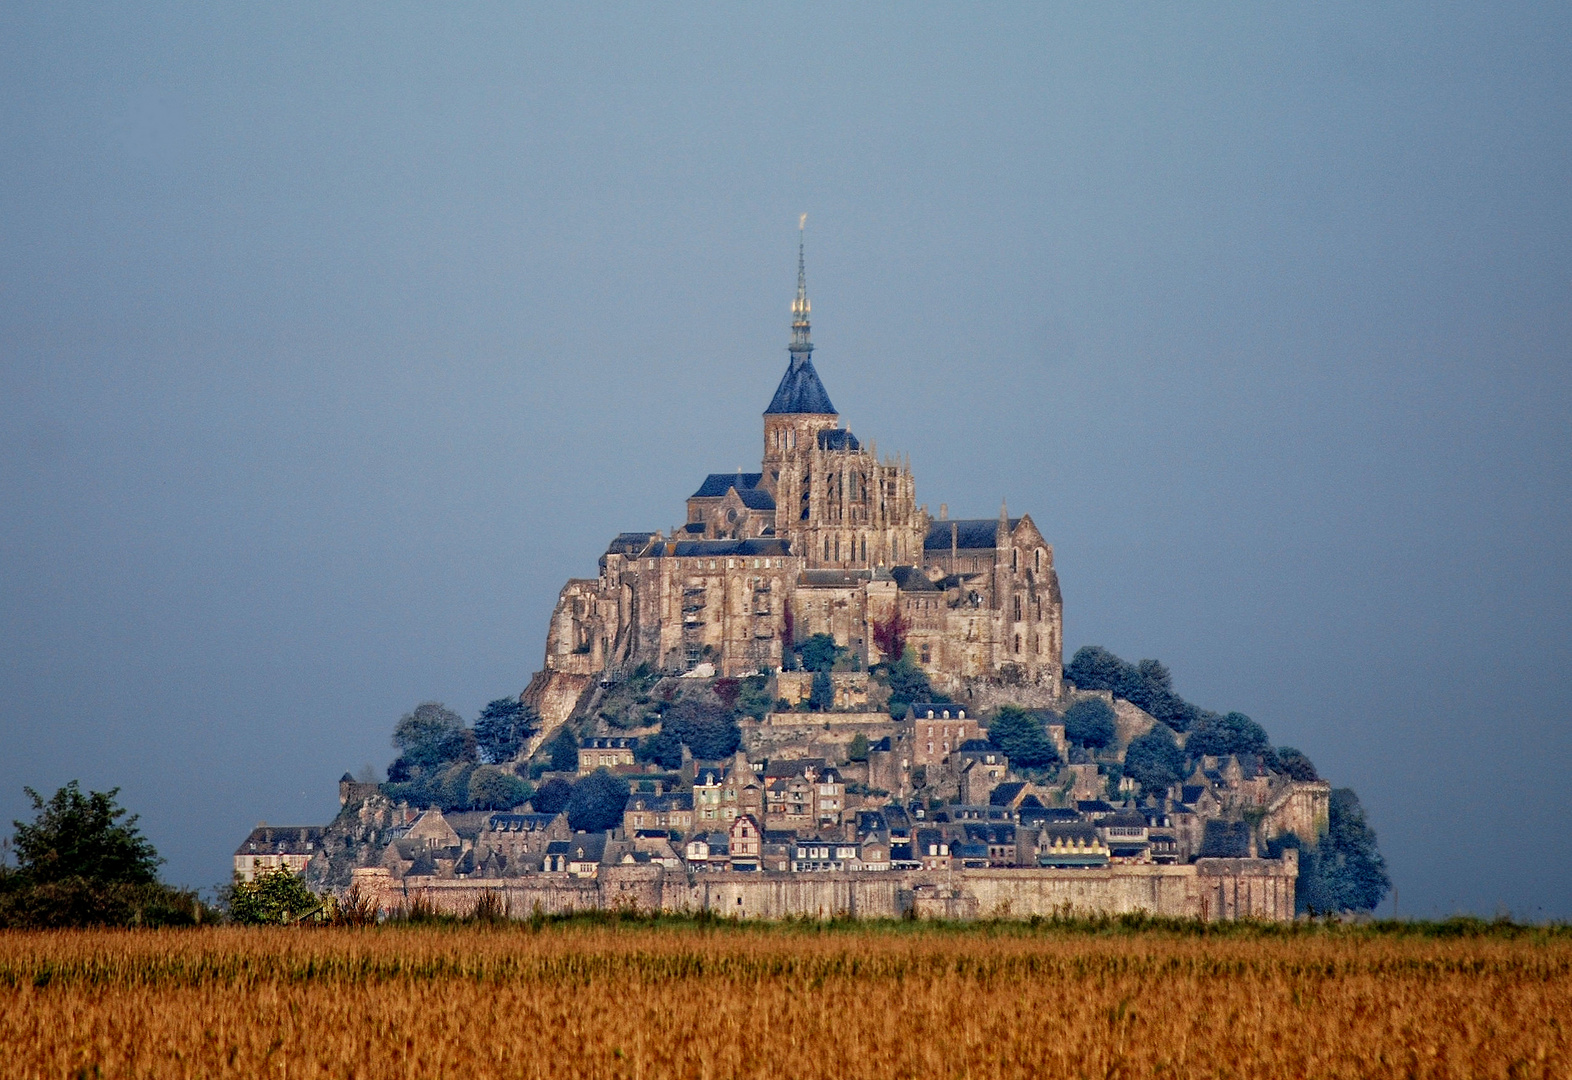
(333, 341)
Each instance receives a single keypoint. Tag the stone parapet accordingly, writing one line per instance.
(1210, 889)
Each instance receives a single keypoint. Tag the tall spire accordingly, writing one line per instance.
(800, 346)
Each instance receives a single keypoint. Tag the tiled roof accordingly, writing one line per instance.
(757, 499)
(716, 484)
(970, 533)
(800, 391)
(684, 549)
(838, 439)
(629, 543)
(912, 579)
(282, 840)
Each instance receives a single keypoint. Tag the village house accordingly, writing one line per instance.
(273, 847)
(606, 753)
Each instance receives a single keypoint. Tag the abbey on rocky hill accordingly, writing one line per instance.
(827, 538)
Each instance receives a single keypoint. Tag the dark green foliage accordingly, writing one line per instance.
(433, 735)
(552, 796)
(819, 653)
(705, 726)
(821, 695)
(1225, 840)
(1351, 862)
(274, 898)
(1296, 764)
(563, 751)
(1090, 722)
(502, 728)
(597, 802)
(1235, 733)
(79, 864)
(663, 748)
(493, 788)
(82, 836)
(858, 749)
(1147, 684)
(1022, 737)
(755, 700)
(1345, 871)
(1154, 760)
(76, 902)
(908, 683)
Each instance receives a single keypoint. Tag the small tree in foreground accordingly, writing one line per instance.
(82, 836)
(273, 898)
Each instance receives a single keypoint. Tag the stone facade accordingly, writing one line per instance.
(1209, 889)
(828, 537)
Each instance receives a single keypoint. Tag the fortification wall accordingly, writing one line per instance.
(1212, 889)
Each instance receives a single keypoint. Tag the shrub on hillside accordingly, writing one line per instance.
(1090, 722)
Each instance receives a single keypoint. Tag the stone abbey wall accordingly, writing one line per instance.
(1209, 889)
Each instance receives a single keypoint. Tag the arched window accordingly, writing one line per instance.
(1039, 559)
(1017, 644)
(1012, 559)
(1017, 614)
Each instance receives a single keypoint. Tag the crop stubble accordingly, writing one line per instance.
(786, 1002)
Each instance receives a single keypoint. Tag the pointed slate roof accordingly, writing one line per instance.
(800, 390)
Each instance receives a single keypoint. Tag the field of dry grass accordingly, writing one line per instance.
(717, 1000)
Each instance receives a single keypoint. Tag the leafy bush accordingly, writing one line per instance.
(1235, 733)
(1090, 722)
(273, 898)
(705, 726)
(597, 802)
(821, 693)
(1154, 760)
(1022, 737)
(1147, 684)
(819, 653)
(552, 796)
(1296, 764)
(663, 749)
(493, 788)
(857, 750)
(563, 751)
(908, 683)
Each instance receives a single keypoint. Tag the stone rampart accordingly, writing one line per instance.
(1210, 889)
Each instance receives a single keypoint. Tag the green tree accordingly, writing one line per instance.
(821, 692)
(432, 735)
(1090, 722)
(82, 836)
(819, 653)
(705, 726)
(552, 796)
(502, 728)
(1296, 764)
(494, 788)
(272, 898)
(1235, 733)
(662, 748)
(597, 802)
(563, 751)
(858, 749)
(1154, 760)
(908, 683)
(1022, 737)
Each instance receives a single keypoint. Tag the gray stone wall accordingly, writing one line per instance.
(1210, 889)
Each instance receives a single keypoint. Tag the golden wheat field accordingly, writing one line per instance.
(715, 1001)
